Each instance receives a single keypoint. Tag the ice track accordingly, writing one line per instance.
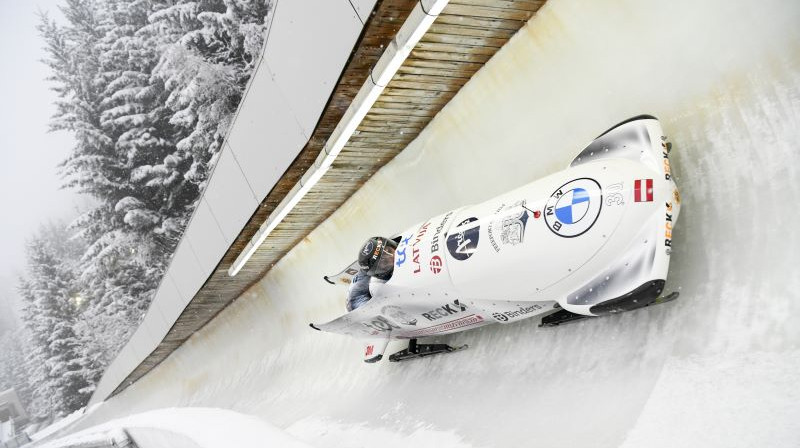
(719, 367)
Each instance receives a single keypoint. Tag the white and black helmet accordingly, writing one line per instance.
(376, 257)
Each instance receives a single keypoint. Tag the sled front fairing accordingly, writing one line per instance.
(581, 237)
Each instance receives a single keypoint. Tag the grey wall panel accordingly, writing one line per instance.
(186, 271)
(131, 355)
(155, 325)
(306, 52)
(155, 313)
(169, 300)
(363, 8)
(112, 377)
(206, 238)
(231, 200)
(266, 136)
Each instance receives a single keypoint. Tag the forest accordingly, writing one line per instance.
(148, 89)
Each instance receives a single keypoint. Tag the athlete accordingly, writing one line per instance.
(376, 260)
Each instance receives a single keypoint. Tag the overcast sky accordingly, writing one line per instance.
(29, 180)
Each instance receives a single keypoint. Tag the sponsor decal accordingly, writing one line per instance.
(415, 249)
(437, 232)
(643, 190)
(574, 207)
(463, 243)
(380, 324)
(465, 321)
(400, 254)
(511, 227)
(370, 349)
(615, 196)
(398, 315)
(368, 248)
(436, 264)
(500, 317)
(445, 310)
(668, 229)
(522, 311)
(667, 169)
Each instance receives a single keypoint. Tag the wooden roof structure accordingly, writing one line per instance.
(462, 38)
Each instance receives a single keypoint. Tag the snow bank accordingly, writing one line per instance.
(58, 425)
(185, 427)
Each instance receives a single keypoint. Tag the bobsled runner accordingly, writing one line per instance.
(592, 240)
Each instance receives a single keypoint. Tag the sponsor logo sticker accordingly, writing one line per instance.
(668, 229)
(398, 315)
(415, 250)
(445, 310)
(437, 232)
(521, 311)
(436, 264)
(400, 254)
(463, 242)
(510, 228)
(380, 324)
(368, 248)
(574, 207)
(665, 154)
(500, 317)
(466, 321)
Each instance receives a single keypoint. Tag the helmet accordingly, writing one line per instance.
(376, 257)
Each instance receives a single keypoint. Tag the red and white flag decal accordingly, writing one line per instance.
(643, 190)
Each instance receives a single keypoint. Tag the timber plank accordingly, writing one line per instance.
(487, 12)
(442, 38)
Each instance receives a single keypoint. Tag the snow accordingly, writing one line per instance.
(203, 427)
(58, 425)
(718, 367)
(326, 432)
(737, 390)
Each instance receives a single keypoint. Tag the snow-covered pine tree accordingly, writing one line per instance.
(205, 70)
(13, 365)
(62, 373)
(148, 88)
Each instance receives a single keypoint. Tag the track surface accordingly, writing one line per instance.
(719, 367)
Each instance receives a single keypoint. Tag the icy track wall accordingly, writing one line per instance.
(719, 367)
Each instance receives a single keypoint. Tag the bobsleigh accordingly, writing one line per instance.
(592, 240)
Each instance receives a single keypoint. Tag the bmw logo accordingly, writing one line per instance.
(574, 207)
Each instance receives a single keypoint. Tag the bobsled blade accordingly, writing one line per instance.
(667, 298)
(415, 351)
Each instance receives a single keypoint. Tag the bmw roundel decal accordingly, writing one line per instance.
(574, 207)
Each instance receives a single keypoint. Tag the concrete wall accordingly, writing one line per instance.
(307, 46)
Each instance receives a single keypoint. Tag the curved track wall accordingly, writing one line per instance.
(717, 368)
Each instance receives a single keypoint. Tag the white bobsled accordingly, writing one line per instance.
(591, 240)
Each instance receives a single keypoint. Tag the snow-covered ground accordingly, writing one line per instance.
(182, 428)
(719, 367)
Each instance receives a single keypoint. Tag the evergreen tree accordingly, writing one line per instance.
(148, 88)
(14, 366)
(63, 374)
